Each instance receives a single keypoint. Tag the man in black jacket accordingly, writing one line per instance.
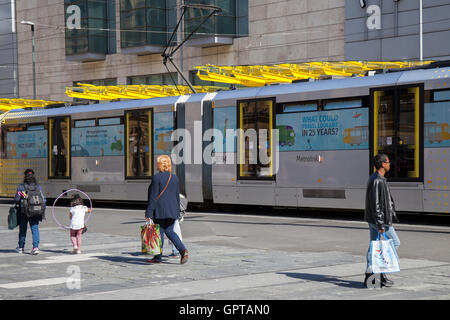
(380, 209)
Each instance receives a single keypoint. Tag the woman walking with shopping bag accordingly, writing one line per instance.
(164, 206)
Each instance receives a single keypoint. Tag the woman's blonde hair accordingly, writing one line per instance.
(164, 163)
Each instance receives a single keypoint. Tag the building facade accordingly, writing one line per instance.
(8, 50)
(108, 42)
(397, 29)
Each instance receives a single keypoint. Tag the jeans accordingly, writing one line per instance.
(390, 233)
(171, 234)
(34, 225)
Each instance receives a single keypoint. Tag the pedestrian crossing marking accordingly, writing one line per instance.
(69, 258)
(34, 283)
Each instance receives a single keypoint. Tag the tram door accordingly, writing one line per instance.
(59, 148)
(397, 118)
(138, 160)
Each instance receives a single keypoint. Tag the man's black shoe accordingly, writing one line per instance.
(385, 281)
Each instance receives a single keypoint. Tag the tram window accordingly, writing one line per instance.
(14, 129)
(442, 95)
(343, 104)
(255, 151)
(139, 148)
(36, 127)
(59, 147)
(109, 121)
(299, 107)
(85, 123)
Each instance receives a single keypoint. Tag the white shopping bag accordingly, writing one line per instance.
(383, 257)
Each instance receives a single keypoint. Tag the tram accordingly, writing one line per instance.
(328, 132)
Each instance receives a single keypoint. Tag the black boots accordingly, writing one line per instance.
(385, 281)
(372, 280)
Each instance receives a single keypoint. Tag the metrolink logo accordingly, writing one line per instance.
(253, 147)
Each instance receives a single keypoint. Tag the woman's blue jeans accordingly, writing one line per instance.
(390, 233)
(169, 231)
(34, 226)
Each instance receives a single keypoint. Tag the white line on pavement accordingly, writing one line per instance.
(69, 258)
(33, 283)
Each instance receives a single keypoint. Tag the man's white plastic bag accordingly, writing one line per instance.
(383, 257)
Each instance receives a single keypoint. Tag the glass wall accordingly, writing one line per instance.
(92, 36)
(231, 21)
(144, 22)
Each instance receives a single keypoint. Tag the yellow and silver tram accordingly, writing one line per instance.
(328, 132)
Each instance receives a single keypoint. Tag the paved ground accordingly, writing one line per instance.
(232, 257)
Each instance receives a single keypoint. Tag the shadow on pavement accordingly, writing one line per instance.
(328, 279)
(136, 258)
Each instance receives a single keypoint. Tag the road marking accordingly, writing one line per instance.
(307, 279)
(16, 230)
(33, 283)
(70, 258)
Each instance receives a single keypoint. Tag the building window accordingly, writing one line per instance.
(154, 79)
(232, 21)
(143, 22)
(92, 36)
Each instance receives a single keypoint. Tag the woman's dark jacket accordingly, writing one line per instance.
(168, 205)
(380, 208)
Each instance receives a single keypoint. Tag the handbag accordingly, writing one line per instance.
(383, 256)
(12, 217)
(150, 239)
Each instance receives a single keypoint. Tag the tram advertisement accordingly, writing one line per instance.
(436, 124)
(324, 130)
(163, 126)
(97, 141)
(27, 144)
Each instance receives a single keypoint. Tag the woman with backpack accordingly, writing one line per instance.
(31, 202)
(164, 206)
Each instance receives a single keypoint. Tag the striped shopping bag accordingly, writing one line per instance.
(150, 239)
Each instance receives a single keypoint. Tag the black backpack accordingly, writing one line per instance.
(33, 204)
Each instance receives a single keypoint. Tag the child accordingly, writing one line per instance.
(77, 212)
